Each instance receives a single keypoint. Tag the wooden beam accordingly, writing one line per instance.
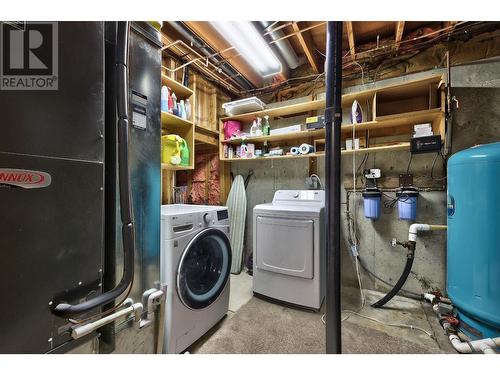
(306, 43)
(400, 26)
(350, 37)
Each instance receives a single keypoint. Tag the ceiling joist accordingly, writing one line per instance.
(350, 37)
(400, 26)
(208, 33)
(306, 42)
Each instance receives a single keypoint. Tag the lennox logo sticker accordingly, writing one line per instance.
(24, 178)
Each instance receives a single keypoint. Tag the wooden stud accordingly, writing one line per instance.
(400, 26)
(350, 37)
(306, 42)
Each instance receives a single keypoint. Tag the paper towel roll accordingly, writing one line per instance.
(306, 149)
(295, 151)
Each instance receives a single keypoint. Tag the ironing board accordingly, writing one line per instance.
(237, 207)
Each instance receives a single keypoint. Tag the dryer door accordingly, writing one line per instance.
(204, 269)
(285, 245)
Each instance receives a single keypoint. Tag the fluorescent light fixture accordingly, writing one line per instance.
(248, 41)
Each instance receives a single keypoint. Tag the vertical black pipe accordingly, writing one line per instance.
(333, 119)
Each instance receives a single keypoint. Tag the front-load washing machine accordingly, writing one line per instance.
(289, 262)
(195, 265)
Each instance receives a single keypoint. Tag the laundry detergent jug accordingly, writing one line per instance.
(184, 153)
(171, 149)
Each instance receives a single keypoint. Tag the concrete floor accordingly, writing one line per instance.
(257, 326)
(241, 291)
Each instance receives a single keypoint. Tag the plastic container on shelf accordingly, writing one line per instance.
(231, 128)
(188, 109)
(246, 105)
(175, 107)
(407, 203)
(170, 100)
(371, 203)
(164, 99)
(184, 153)
(171, 149)
(182, 110)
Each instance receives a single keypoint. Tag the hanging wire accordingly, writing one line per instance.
(409, 163)
(434, 164)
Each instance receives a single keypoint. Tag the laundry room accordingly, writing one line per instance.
(247, 187)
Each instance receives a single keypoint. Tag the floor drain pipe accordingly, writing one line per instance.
(485, 346)
(333, 119)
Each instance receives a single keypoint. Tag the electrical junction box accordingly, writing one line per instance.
(421, 145)
(372, 173)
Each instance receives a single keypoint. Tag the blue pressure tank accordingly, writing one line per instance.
(473, 275)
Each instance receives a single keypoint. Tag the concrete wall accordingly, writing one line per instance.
(477, 120)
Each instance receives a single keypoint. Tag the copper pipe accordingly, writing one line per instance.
(196, 61)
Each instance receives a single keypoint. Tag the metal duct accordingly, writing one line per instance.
(284, 47)
(197, 43)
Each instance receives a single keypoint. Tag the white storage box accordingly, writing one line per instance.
(286, 130)
(243, 106)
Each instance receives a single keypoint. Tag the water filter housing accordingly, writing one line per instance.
(371, 203)
(407, 204)
(473, 258)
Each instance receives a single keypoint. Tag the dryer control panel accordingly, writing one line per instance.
(314, 198)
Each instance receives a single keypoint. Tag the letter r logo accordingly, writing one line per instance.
(29, 55)
(35, 40)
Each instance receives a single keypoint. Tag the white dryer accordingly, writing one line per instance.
(289, 262)
(195, 265)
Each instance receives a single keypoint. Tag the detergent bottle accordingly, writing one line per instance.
(184, 153)
(170, 100)
(164, 99)
(171, 149)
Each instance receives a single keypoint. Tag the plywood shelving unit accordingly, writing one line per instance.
(172, 124)
(395, 109)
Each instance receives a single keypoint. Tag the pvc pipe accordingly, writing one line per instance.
(486, 346)
(415, 228)
(154, 298)
(85, 329)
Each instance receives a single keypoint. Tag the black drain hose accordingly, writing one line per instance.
(402, 279)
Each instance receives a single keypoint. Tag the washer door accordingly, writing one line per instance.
(204, 268)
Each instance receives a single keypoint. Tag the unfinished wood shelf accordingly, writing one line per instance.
(422, 101)
(171, 167)
(376, 148)
(291, 109)
(180, 90)
(278, 137)
(313, 155)
(385, 122)
(168, 120)
(172, 124)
